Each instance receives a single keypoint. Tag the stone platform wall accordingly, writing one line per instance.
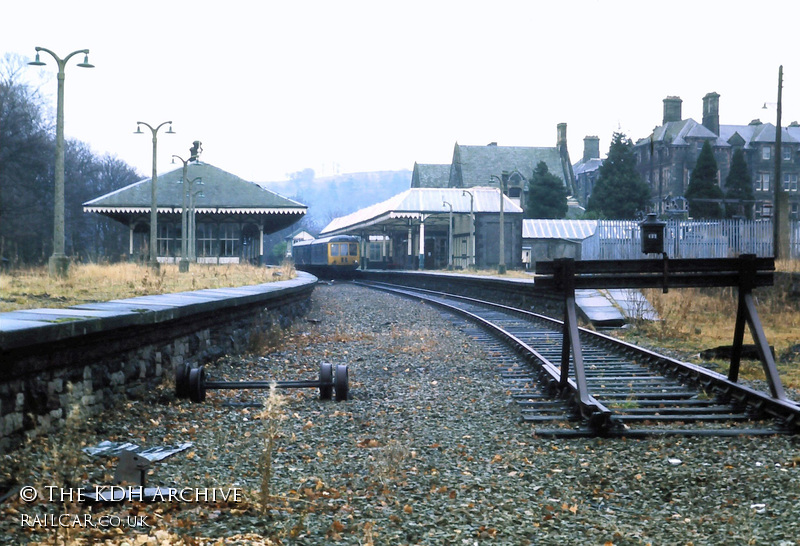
(97, 355)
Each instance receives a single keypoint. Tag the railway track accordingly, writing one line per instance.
(632, 391)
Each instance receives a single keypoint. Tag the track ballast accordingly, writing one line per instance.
(634, 392)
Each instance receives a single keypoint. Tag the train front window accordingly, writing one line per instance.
(334, 249)
(353, 249)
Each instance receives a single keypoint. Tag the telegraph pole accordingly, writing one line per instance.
(780, 215)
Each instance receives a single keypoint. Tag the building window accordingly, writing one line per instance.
(766, 152)
(790, 182)
(229, 239)
(167, 235)
(787, 153)
(206, 239)
(375, 250)
(762, 182)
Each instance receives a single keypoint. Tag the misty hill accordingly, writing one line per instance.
(332, 196)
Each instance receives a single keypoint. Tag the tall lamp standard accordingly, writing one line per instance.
(190, 220)
(501, 267)
(471, 225)
(183, 264)
(449, 236)
(58, 265)
(153, 201)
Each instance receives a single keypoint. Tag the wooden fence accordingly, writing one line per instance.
(621, 239)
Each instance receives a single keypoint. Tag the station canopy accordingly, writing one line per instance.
(224, 195)
(421, 204)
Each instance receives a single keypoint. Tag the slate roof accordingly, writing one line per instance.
(474, 165)
(676, 133)
(429, 175)
(223, 193)
(587, 166)
(415, 203)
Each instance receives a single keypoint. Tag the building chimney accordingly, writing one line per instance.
(591, 148)
(711, 112)
(672, 109)
(561, 135)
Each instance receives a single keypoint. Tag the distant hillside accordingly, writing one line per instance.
(333, 196)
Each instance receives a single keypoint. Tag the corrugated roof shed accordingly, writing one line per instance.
(574, 230)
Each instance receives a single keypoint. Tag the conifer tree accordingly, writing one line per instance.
(620, 193)
(739, 185)
(703, 186)
(547, 196)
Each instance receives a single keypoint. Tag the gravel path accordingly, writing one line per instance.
(429, 450)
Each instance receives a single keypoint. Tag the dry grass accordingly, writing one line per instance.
(32, 287)
(694, 319)
(510, 274)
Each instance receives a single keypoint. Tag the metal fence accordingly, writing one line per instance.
(621, 239)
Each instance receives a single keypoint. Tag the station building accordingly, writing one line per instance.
(391, 231)
(229, 215)
(412, 229)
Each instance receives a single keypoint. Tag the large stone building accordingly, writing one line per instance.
(667, 157)
(481, 166)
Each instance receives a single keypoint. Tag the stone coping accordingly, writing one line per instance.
(29, 327)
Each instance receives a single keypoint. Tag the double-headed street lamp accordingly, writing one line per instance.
(187, 187)
(58, 264)
(153, 263)
(183, 265)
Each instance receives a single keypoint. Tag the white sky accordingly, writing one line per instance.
(273, 87)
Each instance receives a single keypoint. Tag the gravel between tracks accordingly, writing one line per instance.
(429, 450)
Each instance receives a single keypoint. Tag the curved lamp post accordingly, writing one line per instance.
(501, 267)
(58, 264)
(449, 236)
(153, 263)
(471, 226)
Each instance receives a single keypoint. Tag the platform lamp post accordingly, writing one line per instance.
(191, 219)
(153, 263)
(58, 265)
(471, 225)
(190, 222)
(503, 179)
(183, 264)
(449, 237)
